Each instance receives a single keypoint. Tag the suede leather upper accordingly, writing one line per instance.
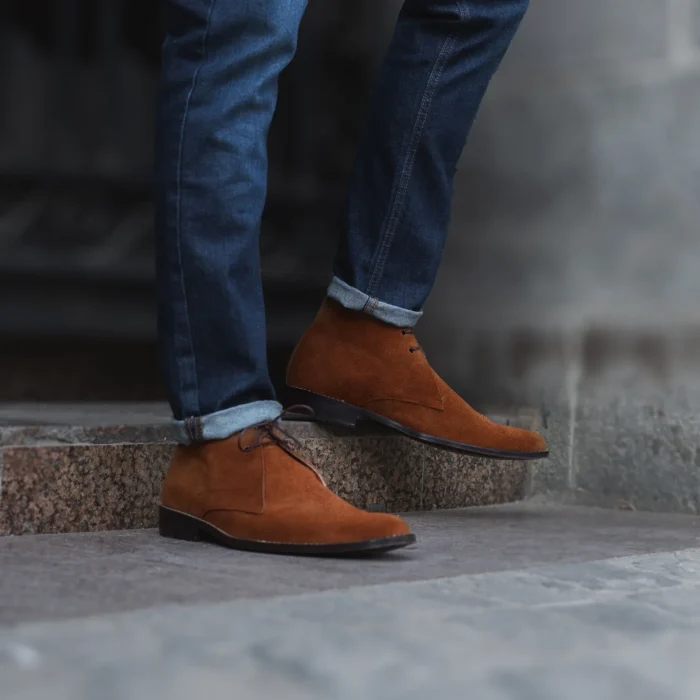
(355, 358)
(266, 494)
(358, 359)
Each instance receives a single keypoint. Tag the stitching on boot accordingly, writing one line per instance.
(411, 402)
(437, 386)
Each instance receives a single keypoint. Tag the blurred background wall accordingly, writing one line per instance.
(577, 203)
(77, 92)
(572, 271)
(572, 276)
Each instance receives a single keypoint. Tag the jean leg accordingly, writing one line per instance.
(221, 62)
(429, 89)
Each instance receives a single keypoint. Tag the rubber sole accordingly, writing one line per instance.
(181, 526)
(327, 410)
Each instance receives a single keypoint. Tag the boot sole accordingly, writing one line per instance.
(336, 412)
(181, 526)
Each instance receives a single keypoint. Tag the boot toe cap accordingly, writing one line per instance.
(375, 526)
(530, 441)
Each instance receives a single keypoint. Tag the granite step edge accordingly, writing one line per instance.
(98, 487)
(27, 433)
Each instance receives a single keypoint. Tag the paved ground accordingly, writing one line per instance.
(57, 576)
(516, 602)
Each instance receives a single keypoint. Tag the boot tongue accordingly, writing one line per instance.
(270, 434)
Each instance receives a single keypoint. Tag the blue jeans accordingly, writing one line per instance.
(221, 62)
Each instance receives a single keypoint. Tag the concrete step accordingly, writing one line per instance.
(87, 468)
(48, 577)
(514, 601)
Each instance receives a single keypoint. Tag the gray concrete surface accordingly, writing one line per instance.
(85, 414)
(61, 576)
(84, 423)
(553, 623)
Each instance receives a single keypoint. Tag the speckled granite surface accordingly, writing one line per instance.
(83, 478)
(80, 488)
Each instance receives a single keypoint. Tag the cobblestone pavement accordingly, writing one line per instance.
(568, 626)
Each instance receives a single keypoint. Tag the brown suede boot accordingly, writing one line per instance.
(253, 492)
(349, 366)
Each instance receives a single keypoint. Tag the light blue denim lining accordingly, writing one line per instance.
(218, 426)
(355, 300)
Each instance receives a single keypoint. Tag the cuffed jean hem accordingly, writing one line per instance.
(223, 424)
(355, 300)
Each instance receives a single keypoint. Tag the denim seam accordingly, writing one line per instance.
(371, 305)
(178, 237)
(463, 10)
(188, 428)
(396, 209)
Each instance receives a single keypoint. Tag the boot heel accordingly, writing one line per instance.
(177, 526)
(327, 410)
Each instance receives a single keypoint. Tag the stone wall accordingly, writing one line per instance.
(572, 274)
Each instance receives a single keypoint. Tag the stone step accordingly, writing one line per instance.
(137, 569)
(83, 468)
(517, 602)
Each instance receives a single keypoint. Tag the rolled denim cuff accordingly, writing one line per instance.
(223, 424)
(355, 300)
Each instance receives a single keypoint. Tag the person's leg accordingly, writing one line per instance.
(429, 89)
(221, 62)
(359, 351)
(237, 479)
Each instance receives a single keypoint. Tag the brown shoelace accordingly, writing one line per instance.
(271, 433)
